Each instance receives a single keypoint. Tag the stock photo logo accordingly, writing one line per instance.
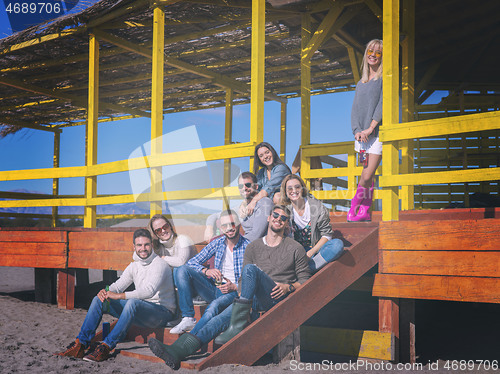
(26, 13)
(181, 175)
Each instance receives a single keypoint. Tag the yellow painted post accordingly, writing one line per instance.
(407, 193)
(89, 217)
(55, 181)
(257, 73)
(305, 91)
(390, 111)
(158, 61)
(228, 138)
(283, 132)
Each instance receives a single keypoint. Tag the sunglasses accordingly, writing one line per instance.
(281, 216)
(247, 185)
(226, 226)
(371, 52)
(159, 230)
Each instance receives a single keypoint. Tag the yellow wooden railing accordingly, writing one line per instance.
(350, 172)
(159, 160)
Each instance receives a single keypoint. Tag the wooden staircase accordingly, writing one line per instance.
(361, 244)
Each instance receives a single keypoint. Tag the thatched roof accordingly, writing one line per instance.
(45, 84)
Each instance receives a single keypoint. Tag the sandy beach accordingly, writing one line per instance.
(31, 332)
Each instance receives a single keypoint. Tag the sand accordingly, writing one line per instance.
(31, 332)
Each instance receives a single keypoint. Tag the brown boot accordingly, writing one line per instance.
(101, 353)
(75, 349)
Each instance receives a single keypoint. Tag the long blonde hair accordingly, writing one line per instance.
(365, 71)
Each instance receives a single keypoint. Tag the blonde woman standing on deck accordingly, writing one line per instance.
(366, 117)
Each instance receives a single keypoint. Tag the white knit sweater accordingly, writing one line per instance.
(176, 252)
(153, 281)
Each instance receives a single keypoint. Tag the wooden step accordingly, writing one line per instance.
(361, 255)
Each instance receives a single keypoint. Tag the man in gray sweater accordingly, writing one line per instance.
(273, 268)
(151, 304)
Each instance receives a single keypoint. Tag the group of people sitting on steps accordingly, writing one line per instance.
(287, 236)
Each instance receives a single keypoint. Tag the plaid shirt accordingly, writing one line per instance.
(218, 247)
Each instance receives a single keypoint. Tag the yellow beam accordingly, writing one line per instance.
(374, 8)
(283, 132)
(305, 83)
(228, 137)
(89, 217)
(78, 101)
(355, 65)
(441, 126)
(390, 107)
(157, 103)
(407, 193)
(438, 177)
(348, 343)
(258, 72)
(55, 181)
(321, 33)
(12, 122)
(42, 39)
(218, 79)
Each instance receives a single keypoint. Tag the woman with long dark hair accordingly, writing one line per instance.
(270, 171)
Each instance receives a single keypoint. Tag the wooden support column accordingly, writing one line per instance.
(89, 218)
(407, 193)
(407, 331)
(283, 132)
(388, 320)
(55, 181)
(44, 285)
(390, 110)
(157, 105)
(305, 91)
(228, 138)
(66, 288)
(257, 73)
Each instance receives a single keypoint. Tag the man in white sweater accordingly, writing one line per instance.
(151, 304)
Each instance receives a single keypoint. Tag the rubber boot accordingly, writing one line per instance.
(173, 354)
(359, 196)
(364, 208)
(239, 320)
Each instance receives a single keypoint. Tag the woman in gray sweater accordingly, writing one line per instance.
(366, 116)
(310, 223)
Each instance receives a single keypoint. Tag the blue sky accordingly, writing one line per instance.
(29, 149)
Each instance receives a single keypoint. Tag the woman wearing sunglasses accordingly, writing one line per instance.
(366, 116)
(270, 171)
(310, 223)
(175, 249)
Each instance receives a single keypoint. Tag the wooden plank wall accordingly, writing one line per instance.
(37, 249)
(455, 260)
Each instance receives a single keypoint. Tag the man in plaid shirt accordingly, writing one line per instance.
(218, 286)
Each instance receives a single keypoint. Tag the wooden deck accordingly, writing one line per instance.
(437, 255)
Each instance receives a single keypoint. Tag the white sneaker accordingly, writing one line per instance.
(186, 325)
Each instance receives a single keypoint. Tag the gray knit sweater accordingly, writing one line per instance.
(285, 263)
(367, 106)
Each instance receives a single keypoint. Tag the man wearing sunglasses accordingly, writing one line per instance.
(219, 284)
(255, 224)
(274, 267)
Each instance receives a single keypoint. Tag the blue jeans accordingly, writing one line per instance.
(190, 282)
(258, 285)
(139, 312)
(216, 317)
(330, 251)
